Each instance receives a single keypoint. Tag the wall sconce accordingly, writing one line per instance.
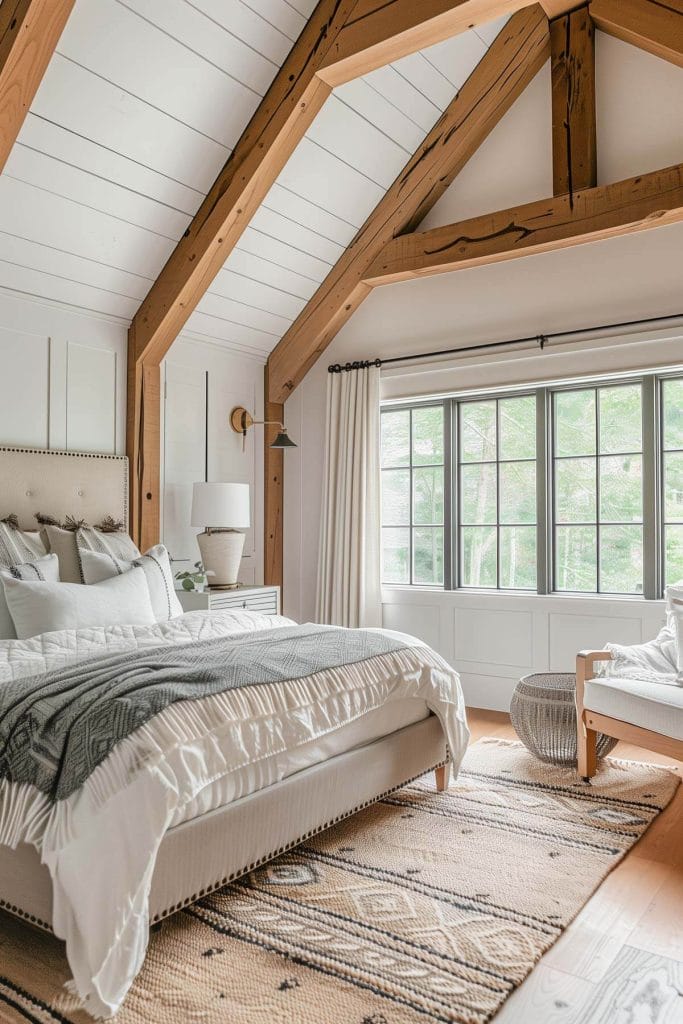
(241, 420)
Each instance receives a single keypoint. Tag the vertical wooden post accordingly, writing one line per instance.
(143, 446)
(273, 465)
(572, 45)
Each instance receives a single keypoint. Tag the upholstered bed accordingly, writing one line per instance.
(248, 773)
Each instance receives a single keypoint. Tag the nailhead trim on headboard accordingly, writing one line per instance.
(79, 455)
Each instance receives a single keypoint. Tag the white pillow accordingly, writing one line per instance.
(674, 607)
(156, 564)
(43, 607)
(68, 544)
(45, 568)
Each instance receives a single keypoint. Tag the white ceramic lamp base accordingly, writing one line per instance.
(221, 552)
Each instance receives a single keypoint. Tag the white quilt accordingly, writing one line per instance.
(100, 844)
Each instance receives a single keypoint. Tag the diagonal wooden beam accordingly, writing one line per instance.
(516, 55)
(653, 25)
(636, 204)
(342, 39)
(29, 32)
(572, 48)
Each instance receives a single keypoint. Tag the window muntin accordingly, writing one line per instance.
(672, 478)
(497, 489)
(413, 495)
(598, 489)
(610, 497)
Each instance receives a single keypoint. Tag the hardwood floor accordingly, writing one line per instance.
(621, 960)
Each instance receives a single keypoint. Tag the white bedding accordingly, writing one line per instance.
(100, 844)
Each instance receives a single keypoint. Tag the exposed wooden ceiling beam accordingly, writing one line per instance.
(572, 49)
(646, 201)
(653, 25)
(342, 40)
(556, 8)
(516, 55)
(29, 32)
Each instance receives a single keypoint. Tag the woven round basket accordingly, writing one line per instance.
(543, 712)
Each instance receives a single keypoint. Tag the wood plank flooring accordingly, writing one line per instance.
(621, 960)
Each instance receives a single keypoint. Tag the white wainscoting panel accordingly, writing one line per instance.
(25, 370)
(91, 379)
(494, 639)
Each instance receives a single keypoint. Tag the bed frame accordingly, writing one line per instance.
(206, 853)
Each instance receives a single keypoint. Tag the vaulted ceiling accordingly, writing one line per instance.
(138, 111)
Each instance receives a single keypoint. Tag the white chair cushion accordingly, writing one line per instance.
(649, 705)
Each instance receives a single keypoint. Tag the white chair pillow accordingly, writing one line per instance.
(45, 569)
(43, 607)
(156, 564)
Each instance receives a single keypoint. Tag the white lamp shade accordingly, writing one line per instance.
(220, 506)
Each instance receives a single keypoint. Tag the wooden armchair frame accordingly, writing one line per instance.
(590, 723)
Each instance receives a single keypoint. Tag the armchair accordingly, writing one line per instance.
(630, 703)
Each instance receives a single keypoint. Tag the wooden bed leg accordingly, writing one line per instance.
(587, 750)
(442, 775)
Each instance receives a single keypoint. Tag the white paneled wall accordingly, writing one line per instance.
(495, 639)
(203, 384)
(63, 378)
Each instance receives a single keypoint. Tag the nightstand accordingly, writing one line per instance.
(254, 599)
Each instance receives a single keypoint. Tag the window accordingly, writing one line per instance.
(497, 476)
(413, 495)
(672, 465)
(567, 489)
(598, 489)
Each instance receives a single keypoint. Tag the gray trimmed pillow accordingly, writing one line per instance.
(98, 566)
(44, 569)
(17, 546)
(69, 540)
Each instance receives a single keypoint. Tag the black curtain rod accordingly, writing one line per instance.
(540, 339)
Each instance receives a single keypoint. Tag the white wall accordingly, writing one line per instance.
(492, 638)
(63, 385)
(62, 377)
(203, 384)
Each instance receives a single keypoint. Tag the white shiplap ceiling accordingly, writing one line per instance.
(139, 110)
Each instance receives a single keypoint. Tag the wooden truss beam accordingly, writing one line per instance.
(516, 55)
(653, 25)
(342, 40)
(572, 46)
(29, 33)
(646, 201)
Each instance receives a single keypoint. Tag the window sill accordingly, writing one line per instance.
(526, 595)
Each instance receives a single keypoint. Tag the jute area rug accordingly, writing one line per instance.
(425, 907)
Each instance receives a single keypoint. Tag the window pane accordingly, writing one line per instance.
(478, 493)
(428, 556)
(479, 556)
(517, 426)
(673, 486)
(673, 540)
(621, 559)
(575, 422)
(396, 556)
(673, 413)
(518, 492)
(575, 558)
(396, 438)
(621, 488)
(478, 431)
(621, 424)
(428, 496)
(518, 557)
(428, 436)
(575, 491)
(396, 497)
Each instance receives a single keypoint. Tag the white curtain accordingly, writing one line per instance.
(349, 592)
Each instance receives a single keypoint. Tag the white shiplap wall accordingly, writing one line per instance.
(141, 106)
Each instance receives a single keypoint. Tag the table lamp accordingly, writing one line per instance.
(223, 510)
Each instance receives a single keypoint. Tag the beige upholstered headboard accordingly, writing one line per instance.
(62, 484)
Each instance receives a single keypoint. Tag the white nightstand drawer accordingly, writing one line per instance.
(255, 599)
